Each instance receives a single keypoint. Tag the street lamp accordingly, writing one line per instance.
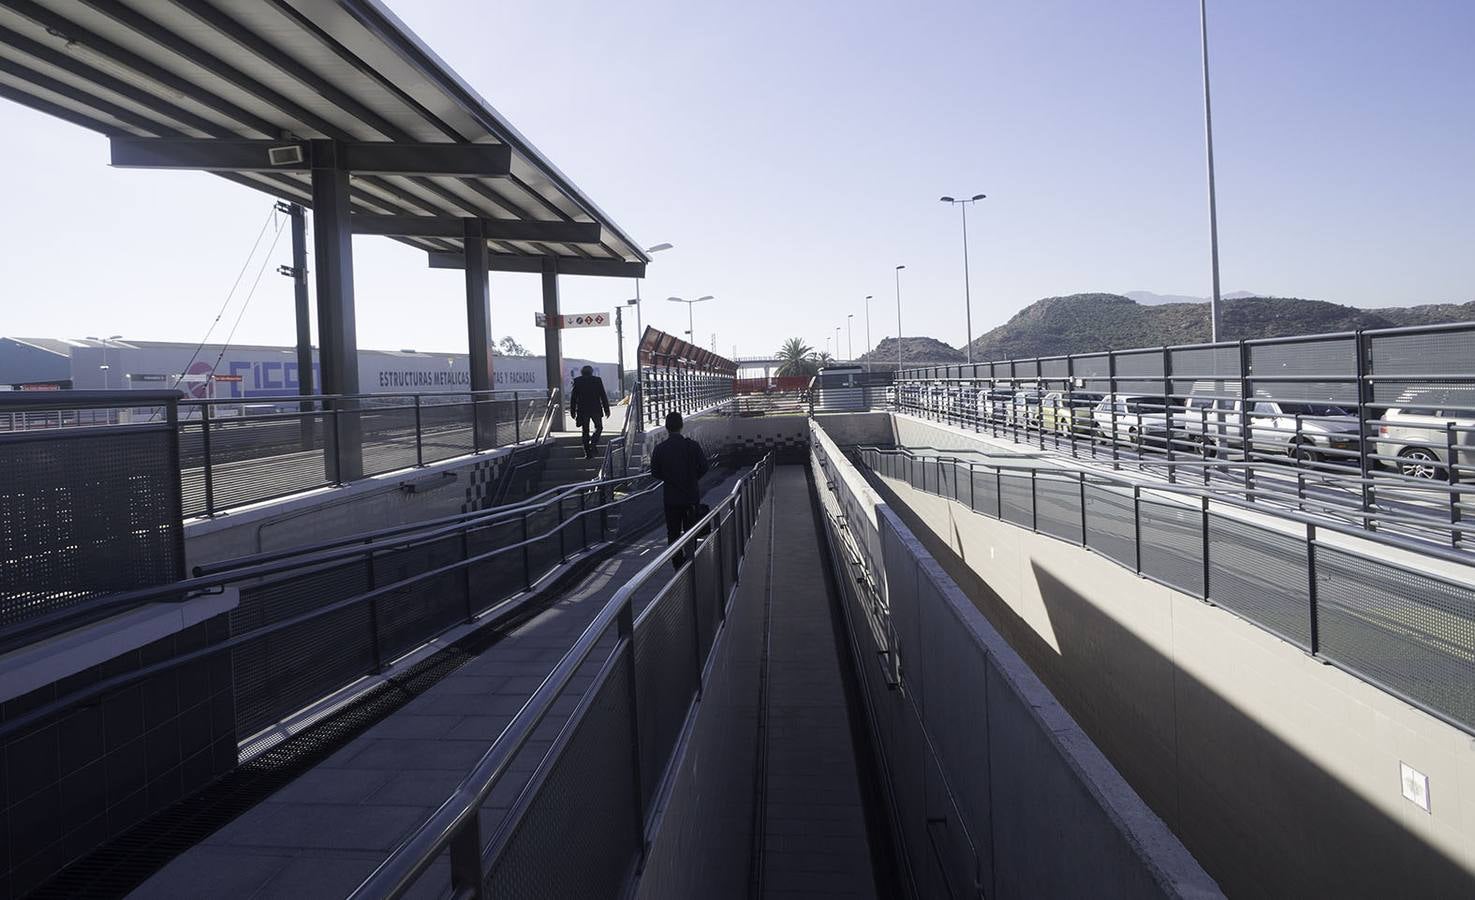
(898, 320)
(690, 331)
(639, 326)
(967, 297)
(837, 340)
(1203, 27)
(850, 336)
(868, 328)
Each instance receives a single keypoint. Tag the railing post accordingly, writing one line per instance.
(465, 850)
(337, 443)
(1082, 476)
(1452, 474)
(583, 519)
(527, 571)
(1034, 505)
(466, 573)
(696, 628)
(475, 423)
(972, 491)
(1245, 394)
(1137, 527)
(562, 549)
(1204, 534)
(625, 628)
(374, 616)
(1312, 618)
(420, 435)
(1364, 446)
(516, 419)
(1168, 412)
(999, 494)
(1300, 472)
(209, 467)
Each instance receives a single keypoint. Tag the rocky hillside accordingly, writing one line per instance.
(1084, 323)
(914, 351)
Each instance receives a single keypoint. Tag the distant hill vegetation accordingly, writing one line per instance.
(914, 350)
(1085, 323)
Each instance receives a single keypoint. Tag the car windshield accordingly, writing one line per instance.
(1313, 409)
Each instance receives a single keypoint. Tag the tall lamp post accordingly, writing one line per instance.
(690, 328)
(967, 294)
(1203, 27)
(837, 340)
(639, 327)
(898, 320)
(868, 328)
(850, 336)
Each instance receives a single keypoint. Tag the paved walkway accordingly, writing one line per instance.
(321, 835)
(814, 824)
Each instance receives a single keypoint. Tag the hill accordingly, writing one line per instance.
(914, 351)
(1085, 323)
(1148, 298)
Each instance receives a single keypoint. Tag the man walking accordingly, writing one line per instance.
(588, 402)
(679, 464)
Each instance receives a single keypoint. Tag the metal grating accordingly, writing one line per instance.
(985, 497)
(1058, 508)
(1109, 527)
(1172, 544)
(1261, 575)
(1410, 632)
(584, 809)
(84, 513)
(1015, 493)
(665, 676)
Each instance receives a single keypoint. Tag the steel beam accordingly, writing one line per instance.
(494, 229)
(225, 155)
(553, 336)
(305, 379)
(567, 265)
(479, 327)
(338, 350)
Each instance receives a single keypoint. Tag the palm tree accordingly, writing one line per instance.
(822, 359)
(796, 358)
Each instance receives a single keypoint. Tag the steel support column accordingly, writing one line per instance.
(338, 351)
(305, 380)
(553, 339)
(479, 330)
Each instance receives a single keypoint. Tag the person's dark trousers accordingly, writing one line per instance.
(591, 443)
(678, 520)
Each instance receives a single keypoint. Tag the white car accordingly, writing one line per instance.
(1418, 436)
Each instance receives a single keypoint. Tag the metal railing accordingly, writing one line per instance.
(686, 391)
(646, 667)
(1368, 420)
(1406, 630)
(313, 618)
(236, 452)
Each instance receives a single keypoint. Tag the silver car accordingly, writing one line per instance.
(1303, 430)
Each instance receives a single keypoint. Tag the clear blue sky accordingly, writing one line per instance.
(794, 153)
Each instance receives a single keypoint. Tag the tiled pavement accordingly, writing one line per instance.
(814, 841)
(323, 833)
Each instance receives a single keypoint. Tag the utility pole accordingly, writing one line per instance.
(1203, 25)
(620, 344)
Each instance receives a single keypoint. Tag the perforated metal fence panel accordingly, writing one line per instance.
(1018, 508)
(1261, 575)
(1172, 545)
(1058, 508)
(1412, 633)
(665, 676)
(584, 810)
(1109, 527)
(85, 512)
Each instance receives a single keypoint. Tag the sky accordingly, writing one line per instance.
(793, 152)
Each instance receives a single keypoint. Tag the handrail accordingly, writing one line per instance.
(1229, 499)
(460, 811)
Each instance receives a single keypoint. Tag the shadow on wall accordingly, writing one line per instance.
(1260, 816)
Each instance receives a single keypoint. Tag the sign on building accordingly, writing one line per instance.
(573, 320)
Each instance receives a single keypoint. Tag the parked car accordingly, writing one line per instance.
(994, 404)
(1024, 409)
(1067, 413)
(1419, 437)
(1303, 430)
(1129, 418)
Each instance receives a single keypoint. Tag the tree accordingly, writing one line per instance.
(822, 359)
(796, 358)
(511, 347)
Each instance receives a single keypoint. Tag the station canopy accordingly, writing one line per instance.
(261, 91)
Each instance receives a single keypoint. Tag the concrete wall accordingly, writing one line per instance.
(1281, 774)
(413, 495)
(994, 786)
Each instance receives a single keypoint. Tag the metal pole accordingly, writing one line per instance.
(620, 349)
(849, 335)
(967, 291)
(1203, 22)
(898, 320)
(868, 328)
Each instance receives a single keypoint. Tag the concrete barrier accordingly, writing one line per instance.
(995, 790)
(1284, 776)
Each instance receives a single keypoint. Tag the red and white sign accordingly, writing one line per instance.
(233, 379)
(573, 320)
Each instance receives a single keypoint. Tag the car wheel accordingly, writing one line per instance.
(1417, 462)
(1302, 452)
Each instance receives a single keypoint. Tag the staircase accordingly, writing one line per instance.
(566, 463)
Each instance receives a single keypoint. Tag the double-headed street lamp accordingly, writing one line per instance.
(691, 334)
(967, 296)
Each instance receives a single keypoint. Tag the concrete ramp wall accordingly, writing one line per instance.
(1284, 776)
(994, 789)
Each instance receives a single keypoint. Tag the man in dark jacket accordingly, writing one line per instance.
(679, 464)
(588, 402)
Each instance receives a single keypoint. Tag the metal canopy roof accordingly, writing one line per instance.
(346, 70)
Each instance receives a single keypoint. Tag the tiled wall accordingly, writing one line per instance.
(80, 777)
